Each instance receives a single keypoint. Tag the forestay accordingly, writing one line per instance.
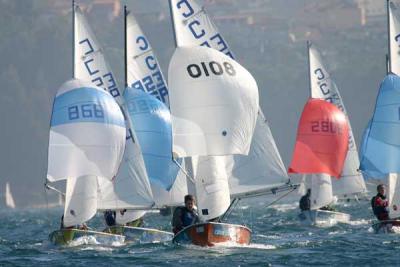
(214, 103)
(394, 38)
(143, 71)
(322, 140)
(152, 123)
(90, 65)
(87, 134)
(323, 87)
(262, 169)
(381, 149)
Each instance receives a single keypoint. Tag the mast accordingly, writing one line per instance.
(173, 23)
(309, 66)
(387, 64)
(73, 38)
(125, 47)
(388, 34)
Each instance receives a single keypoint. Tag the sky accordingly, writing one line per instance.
(268, 37)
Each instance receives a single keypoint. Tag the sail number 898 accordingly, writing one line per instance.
(210, 68)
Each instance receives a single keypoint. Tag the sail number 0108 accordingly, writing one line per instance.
(212, 67)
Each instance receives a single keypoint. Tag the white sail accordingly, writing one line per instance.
(322, 86)
(262, 169)
(173, 197)
(321, 189)
(394, 38)
(394, 195)
(193, 27)
(128, 216)
(87, 134)
(91, 65)
(80, 200)
(212, 187)
(214, 103)
(10, 203)
(143, 71)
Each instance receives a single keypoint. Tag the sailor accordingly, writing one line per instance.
(305, 202)
(109, 217)
(379, 204)
(185, 216)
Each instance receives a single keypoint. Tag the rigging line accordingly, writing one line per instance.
(183, 170)
(231, 207)
(47, 186)
(279, 198)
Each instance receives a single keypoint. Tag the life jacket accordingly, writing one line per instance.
(377, 210)
(188, 217)
(305, 203)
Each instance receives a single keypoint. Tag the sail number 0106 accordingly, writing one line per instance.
(212, 67)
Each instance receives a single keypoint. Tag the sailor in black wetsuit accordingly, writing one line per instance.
(305, 202)
(185, 216)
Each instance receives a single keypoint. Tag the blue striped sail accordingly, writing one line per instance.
(151, 120)
(87, 134)
(380, 147)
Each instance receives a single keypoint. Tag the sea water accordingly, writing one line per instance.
(278, 239)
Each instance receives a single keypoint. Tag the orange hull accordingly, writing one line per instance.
(211, 233)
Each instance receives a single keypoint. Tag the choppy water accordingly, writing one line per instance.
(278, 240)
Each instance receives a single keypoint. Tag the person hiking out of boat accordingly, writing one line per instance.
(305, 202)
(185, 215)
(379, 204)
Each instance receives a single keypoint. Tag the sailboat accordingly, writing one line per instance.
(351, 184)
(129, 188)
(379, 142)
(320, 151)
(86, 145)
(261, 171)
(9, 199)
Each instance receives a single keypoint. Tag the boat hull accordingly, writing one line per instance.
(66, 236)
(211, 233)
(140, 234)
(387, 227)
(312, 217)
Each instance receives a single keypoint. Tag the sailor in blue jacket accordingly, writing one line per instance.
(185, 216)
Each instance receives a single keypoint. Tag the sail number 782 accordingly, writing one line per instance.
(210, 68)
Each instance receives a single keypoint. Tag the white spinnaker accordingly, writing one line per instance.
(262, 169)
(80, 200)
(212, 187)
(394, 195)
(214, 103)
(193, 27)
(90, 64)
(143, 71)
(321, 190)
(9, 198)
(87, 134)
(394, 39)
(322, 86)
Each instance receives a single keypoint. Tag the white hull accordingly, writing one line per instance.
(323, 217)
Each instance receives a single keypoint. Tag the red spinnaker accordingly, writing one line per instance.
(322, 140)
